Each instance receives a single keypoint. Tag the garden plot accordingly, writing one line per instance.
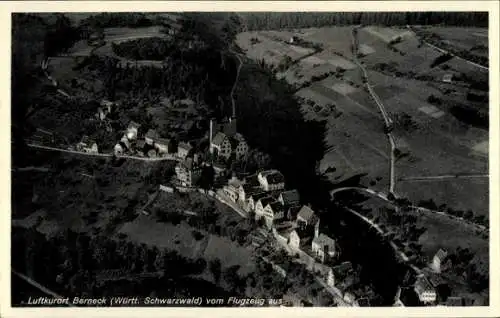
(335, 38)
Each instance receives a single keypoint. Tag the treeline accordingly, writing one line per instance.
(280, 20)
(144, 49)
(118, 19)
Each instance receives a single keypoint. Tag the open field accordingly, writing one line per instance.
(435, 140)
(269, 47)
(470, 39)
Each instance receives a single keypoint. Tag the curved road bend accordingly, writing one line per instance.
(387, 119)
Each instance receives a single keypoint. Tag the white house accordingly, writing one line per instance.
(271, 180)
(260, 206)
(323, 247)
(118, 149)
(87, 145)
(438, 259)
(252, 200)
(426, 293)
(447, 78)
(232, 189)
(274, 211)
(289, 237)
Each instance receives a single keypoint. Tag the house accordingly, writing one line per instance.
(424, 290)
(350, 298)
(288, 236)
(221, 145)
(232, 189)
(306, 217)
(87, 145)
(151, 136)
(132, 130)
(184, 149)
(248, 189)
(323, 247)
(274, 211)
(254, 198)
(261, 204)
(271, 180)
(438, 259)
(126, 143)
(447, 78)
(187, 172)
(162, 145)
(219, 169)
(105, 108)
(240, 146)
(289, 198)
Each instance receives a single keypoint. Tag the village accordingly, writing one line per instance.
(263, 196)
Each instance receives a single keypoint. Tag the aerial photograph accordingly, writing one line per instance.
(250, 159)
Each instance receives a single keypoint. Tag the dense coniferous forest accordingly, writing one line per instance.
(118, 19)
(280, 20)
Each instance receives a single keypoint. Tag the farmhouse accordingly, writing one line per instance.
(249, 188)
(447, 78)
(183, 150)
(306, 217)
(271, 180)
(272, 212)
(289, 198)
(187, 172)
(232, 189)
(323, 247)
(261, 204)
(105, 108)
(221, 145)
(438, 259)
(87, 145)
(424, 290)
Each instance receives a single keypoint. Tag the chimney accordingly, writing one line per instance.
(211, 132)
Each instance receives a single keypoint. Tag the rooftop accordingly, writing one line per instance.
(290, 197)
(133, 124)
(152, 134)
(324, 240)
(422, 284)
(306, 213)
(163, 141)
(185, 146)
(441, 254)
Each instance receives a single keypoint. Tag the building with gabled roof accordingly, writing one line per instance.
(306, 217)
(188, 172)
(271, 180)
(425, 292)
(151, 136)
(132, 130)
(221, 145)
(323, 247)
(183, 149)
(438, 259)
(289, 198)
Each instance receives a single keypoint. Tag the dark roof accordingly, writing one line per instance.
(259, 195)
(276, 206)
(219, 138)
(273, 176)
(290, 197)
(306, 213)
(266, 200)
(163, 141)
(422, 284)
(152, 134)
(140, 143)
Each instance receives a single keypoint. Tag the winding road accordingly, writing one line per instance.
(106, 155)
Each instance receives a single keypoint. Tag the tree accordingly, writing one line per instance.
(469, 215)
(215, 269)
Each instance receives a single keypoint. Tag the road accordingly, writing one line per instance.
(444, 177)
(106, 155)
(37, 285)
(235, 82)
(387, 119)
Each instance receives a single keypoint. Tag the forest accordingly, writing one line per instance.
(280, 20)
(118, 19)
